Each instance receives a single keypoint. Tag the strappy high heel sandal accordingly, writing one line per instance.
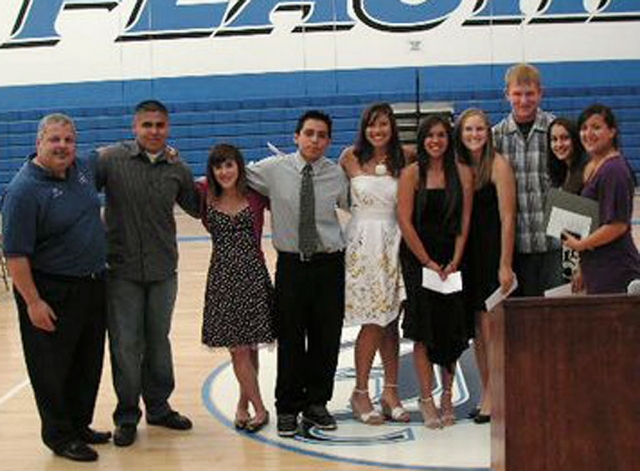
(447, 411)
(429, 413)
(394, 414)
(371, 417)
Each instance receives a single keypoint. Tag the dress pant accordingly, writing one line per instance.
(309, 313)
(537, 272)
(139, 321)
(65, 366)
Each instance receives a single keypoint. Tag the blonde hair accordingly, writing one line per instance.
(485, 166)
(521, 74)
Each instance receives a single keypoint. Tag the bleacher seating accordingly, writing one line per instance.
(250, 124)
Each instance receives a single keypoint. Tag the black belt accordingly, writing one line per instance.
(316, 257)
(95, 276)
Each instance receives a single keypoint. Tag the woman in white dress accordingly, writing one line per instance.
(374, 288)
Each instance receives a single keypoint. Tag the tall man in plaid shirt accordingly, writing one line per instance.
(522, 138)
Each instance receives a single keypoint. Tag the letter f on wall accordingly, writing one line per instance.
(35, 24)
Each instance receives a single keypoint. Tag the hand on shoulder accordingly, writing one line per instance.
(172, 154)
(346, 155)
(410, 153)
(348, 161)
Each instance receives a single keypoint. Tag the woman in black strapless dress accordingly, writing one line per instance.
(434, 205)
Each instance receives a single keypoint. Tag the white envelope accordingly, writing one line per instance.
(498, 296)
(562, 290)
(431, 280)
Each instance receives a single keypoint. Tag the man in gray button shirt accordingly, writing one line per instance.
(143, 180)
(309, 289)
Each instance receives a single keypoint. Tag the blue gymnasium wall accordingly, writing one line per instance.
(242, 71)
(251, 109)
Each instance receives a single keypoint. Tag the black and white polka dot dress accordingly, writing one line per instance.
(238, 306)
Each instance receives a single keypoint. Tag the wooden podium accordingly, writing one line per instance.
(566, 384)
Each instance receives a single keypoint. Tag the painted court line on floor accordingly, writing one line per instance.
(15, 390)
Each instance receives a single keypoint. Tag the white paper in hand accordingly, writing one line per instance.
(562, 220)
(498, 296)
(562, 290)
(431, 280)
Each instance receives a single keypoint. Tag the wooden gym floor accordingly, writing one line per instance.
(212, 444)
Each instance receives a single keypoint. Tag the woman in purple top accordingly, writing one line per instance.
(609, 259)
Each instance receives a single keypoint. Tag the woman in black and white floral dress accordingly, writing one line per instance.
(238, 307)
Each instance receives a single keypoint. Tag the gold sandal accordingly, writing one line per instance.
(394, 414)
(371, 417)
(446, 409)
(429, 413)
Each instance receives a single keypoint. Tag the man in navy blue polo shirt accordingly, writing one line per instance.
(54, 243)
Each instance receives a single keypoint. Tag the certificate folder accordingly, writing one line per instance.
(572, 213)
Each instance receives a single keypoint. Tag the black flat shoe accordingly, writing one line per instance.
(482, 418)
(93, 437)
(125, 435)
(240, 424)
(254, 426)
(77, 450)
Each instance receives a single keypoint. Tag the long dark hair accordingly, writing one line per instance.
(363, 150)
(453, 187)
(556, 168)
(218, 155)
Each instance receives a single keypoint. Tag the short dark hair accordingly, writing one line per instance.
(318, 116)
(151, 106)
(607, 115)
(219, 154)
(611, 121)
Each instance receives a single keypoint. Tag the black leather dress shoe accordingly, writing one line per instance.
(77, 450)
(482, 419)
(125, 435)
(172, 420)
(93, 437)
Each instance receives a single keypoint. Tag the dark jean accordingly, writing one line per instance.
(538, 272)
(139, 321)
